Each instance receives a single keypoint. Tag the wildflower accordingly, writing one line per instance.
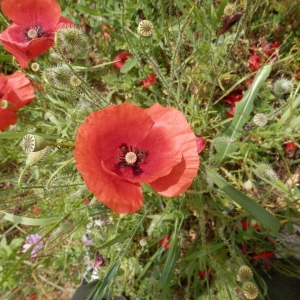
(120, 59)
(87, 240)
(32, 239)
(33, 27)
(289, 146)
(105, 32)
(145, 28)
(231, 99)
(270, 49)
(165, 242)
(264, 255)
(122, 146)
(35, 210)
(246, 224)
(15, 92)
(87, 201)
(149, 80)
(254, 61)
(203, 274)
(247, 185)
(250, 290)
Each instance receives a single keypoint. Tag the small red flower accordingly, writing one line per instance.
(254, 61)
(246, 224)
(289, 146)
(120, 59)
(264, 256)
(231, 100)
(270, 49)
(36, 210)
(165, 242)
(120, 147)
(87, 201)
(18, 91)
(203, 274)
(32, 297)
(149, 80)
(33, 27)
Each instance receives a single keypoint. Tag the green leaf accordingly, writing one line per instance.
(129, 64)
(28, 221)
(117, 239)
(241, 116)
(111, 273)
(258, 212)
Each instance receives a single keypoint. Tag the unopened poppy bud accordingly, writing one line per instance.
(265, 171)
(145, 28)
(283, 86)
(35, 157)
(35, 67)
(245, 273)
(33, 143)
(250, 290)
(59, 76)
(70, 36)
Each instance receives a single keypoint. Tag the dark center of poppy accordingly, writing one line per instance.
(131, 157)
(33, 32)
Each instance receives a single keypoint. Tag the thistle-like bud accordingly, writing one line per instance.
(247, 185)
(260, 120)
(71, 37)
(35, 67)
(59, 76)
(229, 9)
(145, 28)
(35, 157)
(265, 171)
(283, 86)
(33, 143)
(250, 290)
(245, 273)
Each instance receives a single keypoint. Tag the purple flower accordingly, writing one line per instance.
(87, 240)
(32, 239)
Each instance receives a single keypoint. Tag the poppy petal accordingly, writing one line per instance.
(7, 118)
(118, 195)
(44, 13)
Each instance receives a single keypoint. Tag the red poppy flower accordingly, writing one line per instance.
(149, 80)
(122, 146)
(17, 90)
(254, 61)
(120, 59)
(33, 27)
(289, 146)
(165, 242)
(246, 224)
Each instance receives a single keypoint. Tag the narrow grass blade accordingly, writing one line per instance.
(241, 116)
(258, 212)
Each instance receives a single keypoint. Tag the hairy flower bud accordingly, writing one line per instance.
(59, 76)
(71, 37)
(283, 86)
(35, 157)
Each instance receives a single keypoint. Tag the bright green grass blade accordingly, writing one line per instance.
(241, 116)
(258, 212)
(117, 239)
(109, 276)
(28, 221)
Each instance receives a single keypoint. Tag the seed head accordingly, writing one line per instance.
(250, 290)
(229, 9)
(245, 273)
(260, 120)
(145, 28)
(35, 67)
(33, 143)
